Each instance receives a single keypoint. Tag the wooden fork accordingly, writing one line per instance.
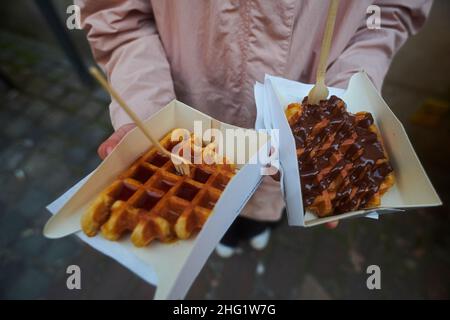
(320, 90)
(181, 164)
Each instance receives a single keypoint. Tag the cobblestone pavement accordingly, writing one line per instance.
(50, 130)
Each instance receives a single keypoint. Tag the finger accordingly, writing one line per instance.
(109, 144)
(106, 148)
(276, 176)
(332, 224)
(101, 151)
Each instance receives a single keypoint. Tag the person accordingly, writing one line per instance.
(209, 54)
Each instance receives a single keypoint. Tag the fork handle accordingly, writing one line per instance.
(326, 41)
(101, 79)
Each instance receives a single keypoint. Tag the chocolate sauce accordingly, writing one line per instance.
(333, 142)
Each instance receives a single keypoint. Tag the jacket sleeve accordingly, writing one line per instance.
(373, 50)
(125, 43)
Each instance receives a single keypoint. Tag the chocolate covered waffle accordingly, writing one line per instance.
(152, 201)
(342, 163)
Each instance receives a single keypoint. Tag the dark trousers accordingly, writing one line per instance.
(244, 229)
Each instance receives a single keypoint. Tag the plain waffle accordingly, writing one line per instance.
(152, 201)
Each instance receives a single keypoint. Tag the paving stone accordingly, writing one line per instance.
(9, 265)
(90, 111)
(101, 95)
(54, 93)
(94, 135)
(31, 245)
(36, 86)
(5, 55)
(57, 181)
(18, 128)
(61, 250)
(29, 58)
(3, 88)
(39, 164)
(36, 110)
(20, 77)
(12, 225)
(103, 120)
(37, 133)
(13, 156)
(5, 119)
(76, 155)
(93, 163)
(16, 102)
(30, 284)
(53, 145)
(43, 66)
(72, 82)
(312, 289)
(55, 121)
(56, 73)
(12, 188)
(73, 101)
(33, 202)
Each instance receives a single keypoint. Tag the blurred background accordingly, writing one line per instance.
(52, 118)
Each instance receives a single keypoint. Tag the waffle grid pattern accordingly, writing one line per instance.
(153, 202)
(333, 176)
